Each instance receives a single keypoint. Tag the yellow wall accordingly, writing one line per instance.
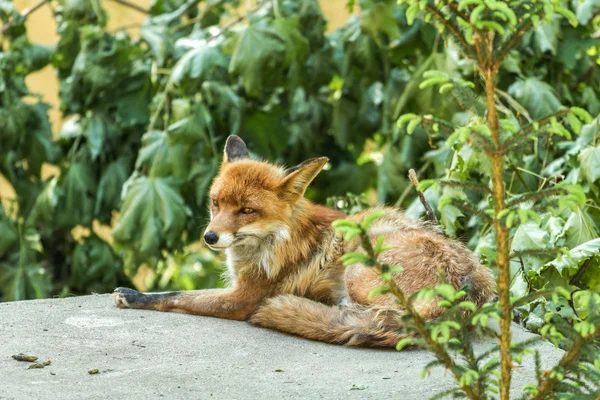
(41, 28)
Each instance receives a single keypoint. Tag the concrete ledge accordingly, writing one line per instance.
(150, 355)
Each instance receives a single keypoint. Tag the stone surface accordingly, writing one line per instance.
(151, 355)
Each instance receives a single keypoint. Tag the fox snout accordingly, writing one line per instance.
(211, 237)
(219, 241)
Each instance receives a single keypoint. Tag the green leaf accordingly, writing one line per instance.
(259, 54)
(45, 204)
(111, 183)
(546, 36)
(76, 203)
(94, 266)
(162, 158)
(201, 63)
(379, 17)
(10, 235)
(585, 9)
(576, 257)
(579, 228)
(590, 163)
(536, 96)
(153, 215)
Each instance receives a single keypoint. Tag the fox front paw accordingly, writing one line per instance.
(127, 298)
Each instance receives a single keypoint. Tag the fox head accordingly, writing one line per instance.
(251, 200)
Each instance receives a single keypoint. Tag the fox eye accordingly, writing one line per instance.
(215, 203)
(247, 210)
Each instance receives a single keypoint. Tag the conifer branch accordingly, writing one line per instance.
(453, 29)
(510, 42)
(542, 194)
(484, 143)
(527, 129)
(534, 252)
(419, 322)
(443, 125)
(470, 209)
(465, 185)
(571, 356)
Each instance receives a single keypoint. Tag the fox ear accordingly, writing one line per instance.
(299, 177)
(235, 149)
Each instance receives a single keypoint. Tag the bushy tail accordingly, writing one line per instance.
(351, 325)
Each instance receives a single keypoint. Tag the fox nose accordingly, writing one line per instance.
(211, 238)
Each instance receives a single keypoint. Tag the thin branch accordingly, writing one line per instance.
(412, 175)
(132, 6)
(534, 252)
(571, 356)
(576, 280)
(443, 125)
(524, 27)
(448, 25)
(469, 208)
(26, 12)
(527, 129)
(419, 322)
(542, 194)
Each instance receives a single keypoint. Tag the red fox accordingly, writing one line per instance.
(283, 260)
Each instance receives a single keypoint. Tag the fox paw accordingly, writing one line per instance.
(127, 298)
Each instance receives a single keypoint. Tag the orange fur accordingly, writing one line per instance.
(284, 260)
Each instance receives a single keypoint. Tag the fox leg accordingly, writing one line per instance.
(353, 325)
(220, 303)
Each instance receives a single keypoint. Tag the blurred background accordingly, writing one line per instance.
(114, 113)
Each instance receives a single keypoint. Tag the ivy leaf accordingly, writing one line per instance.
(546, 36)
(259, 52)
(10, 236)
(529, 236)
(590, 163)
(153, 215)
(380, 17)
(192, 128)
(579, 228)
(226, 106)
(160, 157)
(199, 64)
(297, 46)
(159, 39)
(94, 266)
(585, 9)
(76, 203)
(576, 257)
(536, 96)
(108, 197)
(45, 204)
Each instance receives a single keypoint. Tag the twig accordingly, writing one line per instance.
(412, 175)
(24, 14)
(576, 280)
(132, 6)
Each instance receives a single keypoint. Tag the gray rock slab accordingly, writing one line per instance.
(153, 355)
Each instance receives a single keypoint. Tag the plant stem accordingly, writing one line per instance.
(501, 235)
(24, 14)
(546, 385)
(412, 175)
(132, 6)
(437, 348)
